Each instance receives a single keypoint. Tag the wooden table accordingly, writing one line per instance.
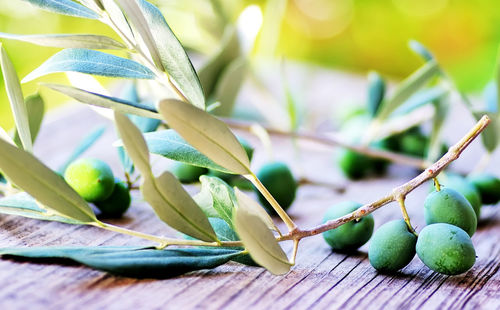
(320, 279)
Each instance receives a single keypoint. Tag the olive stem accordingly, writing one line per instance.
(437, 185)
(406, 217)
(335, 187)
(276, 206)
(334, 141)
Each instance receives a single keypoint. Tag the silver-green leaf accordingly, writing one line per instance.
(223, 197)
(259, 240)
(207, 134)
(229, 84)
(47, 187)
(16, 99)
(89, 41)
(91, 62)
(65, 7)
(36, 110)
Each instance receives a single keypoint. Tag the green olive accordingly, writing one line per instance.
(392, 247)
(90, 178)
(279, 181)
(488, 186)
(446, 249)
(349, 236)
(116, 204)
(187, 173)
(449, 206)
(414, 144)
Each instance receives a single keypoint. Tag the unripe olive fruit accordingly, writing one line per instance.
(279, 181)
(449, 206)
(488, 186)
(90, 178)
(467, 189)
(349, 236)
(187, 173)
(392, 246)
(116, 204)
(414, 144)
(354, 165)
(446, 249)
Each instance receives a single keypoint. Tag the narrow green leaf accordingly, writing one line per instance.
(376, 92)
(490, 98)
(421, 98)
(259, 240)
(172, 55)
(105, 101)
(165, 194)
(5, 136)
(435, 142)
(229, 84)
(222, 196)
(65, 7)
(420, 50)
(84, 145)
(206, 133)
(16, 99)
(117, 17)
(136, 16)
(255, 208)
(129, 261)
(489, 136)
(47, 187)
(408, 87)
(228, 50)
(24, 205)
(89, 41)
(36, 109)
(170, 144)
(497, 78)
(204, 200)
(90, 62)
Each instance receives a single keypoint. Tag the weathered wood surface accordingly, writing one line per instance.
(320, 280)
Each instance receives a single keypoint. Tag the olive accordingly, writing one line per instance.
(187, 173)
(414, 144)
(354, 165)
(392, 246)
(467, 189)
(279, 181)
(488, 186)
(90, 178)
(116, 204)
(449, 206)
(349, 236)
(446, 249)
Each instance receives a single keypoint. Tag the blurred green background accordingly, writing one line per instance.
(351, 35)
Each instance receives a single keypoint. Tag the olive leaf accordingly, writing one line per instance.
(84, 145)
(47, 187)
(5, 136)
(229, 85)
(489, 136)
(172, 55)
(90, 62)
(130, 261)
(441, 107)
(205, 201)
(170, 144)
(22, 204)
(421, 98)
(258, 239)
(165, 194)
(421, 50)
(376, 92)
(223, 197)
(253, 207)
(408, 87)
(207, 134)
(65, 7)
(16, 99)
(99, 100)
(36, 108)
(228, 50)
(89, 41)
(115, 14)
(136, 17)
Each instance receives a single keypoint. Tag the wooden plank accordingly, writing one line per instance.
(320, 280)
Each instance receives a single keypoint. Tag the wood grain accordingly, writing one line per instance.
(320, 280)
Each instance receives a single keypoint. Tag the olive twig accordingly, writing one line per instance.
(333, 140)
(402, 191)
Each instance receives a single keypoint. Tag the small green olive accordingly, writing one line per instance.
(187, 173)
(446, 249)
(90, 178)
(116, 204)
(349, 236)
(466, 188)
(488, 186)
(279, 181)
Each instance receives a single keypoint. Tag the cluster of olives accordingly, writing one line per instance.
(275, 176)
(412, 142)
(444, 245)
(93, 180)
